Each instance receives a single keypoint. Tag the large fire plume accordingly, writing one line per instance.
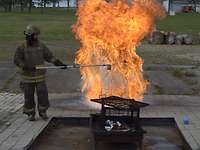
(109, 32)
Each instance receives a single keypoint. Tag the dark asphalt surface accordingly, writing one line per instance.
(63, 81)
(69, 81)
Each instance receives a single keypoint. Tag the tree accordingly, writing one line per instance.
(68, 3)
(44, 4)
(77, 1)
(30, 5)
(7, 5)
(54, 3)
(21, 2)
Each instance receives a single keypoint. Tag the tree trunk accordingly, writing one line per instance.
(30, 6)
(10, 7)
(41, 6)
(45, 3)
(5, 8)
(68, 3)
(58, 4)
(195, 6)
(76, 3)
(13, 4)
(170, 6)
(21, 6)
(54, 4)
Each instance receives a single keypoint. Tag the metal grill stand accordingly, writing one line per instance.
(117, 109)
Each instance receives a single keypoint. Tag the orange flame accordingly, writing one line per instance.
(109, 33)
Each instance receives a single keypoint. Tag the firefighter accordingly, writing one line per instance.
(28, 55)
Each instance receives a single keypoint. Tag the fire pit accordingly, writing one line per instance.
(119, 121)
(117, 127)
(74, 133)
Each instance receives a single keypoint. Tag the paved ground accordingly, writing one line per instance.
(65, 80)
(160, 76)
(161, 83)
(15, 133)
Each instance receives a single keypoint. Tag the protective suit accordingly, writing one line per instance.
(28, 55)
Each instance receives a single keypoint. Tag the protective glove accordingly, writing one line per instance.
(29, 68)
(57, 62)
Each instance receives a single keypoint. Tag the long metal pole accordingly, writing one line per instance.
(73, 66)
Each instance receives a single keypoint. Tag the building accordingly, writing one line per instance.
(62, 3)
(179, 5)
(171, 6)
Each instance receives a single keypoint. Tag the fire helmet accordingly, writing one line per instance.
(32, 29)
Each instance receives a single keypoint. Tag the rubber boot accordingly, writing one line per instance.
(31, 117)
(43, 115)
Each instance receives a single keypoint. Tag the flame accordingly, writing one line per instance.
(109, 33)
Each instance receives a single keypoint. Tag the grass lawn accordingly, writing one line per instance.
(181, 23)
(56, 25)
